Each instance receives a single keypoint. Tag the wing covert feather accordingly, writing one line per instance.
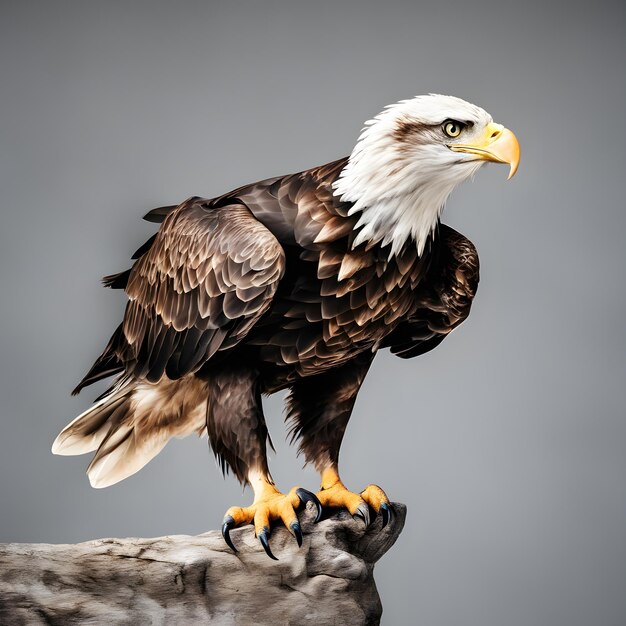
(444, 298)
(209, 275)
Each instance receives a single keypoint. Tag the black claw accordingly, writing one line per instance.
(363, 512)
(227, 526)
(385, 512)
(295, 527)
(263, 538)
(306, 496)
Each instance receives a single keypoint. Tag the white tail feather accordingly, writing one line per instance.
(130, 426)
(86, 432)
(122, 455)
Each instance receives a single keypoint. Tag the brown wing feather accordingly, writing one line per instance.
(443, 299)
(210, 274)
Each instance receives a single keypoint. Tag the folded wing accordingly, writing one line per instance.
(209, 275)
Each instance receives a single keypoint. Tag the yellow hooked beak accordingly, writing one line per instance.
(498, 144)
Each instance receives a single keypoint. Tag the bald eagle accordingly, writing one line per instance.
(295, 282)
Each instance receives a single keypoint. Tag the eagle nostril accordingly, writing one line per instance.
(495, 133)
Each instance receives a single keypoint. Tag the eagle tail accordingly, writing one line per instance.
(131, 424)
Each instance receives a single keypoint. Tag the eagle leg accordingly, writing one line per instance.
(238, 434)
(319, 409)
(334, 494)
(269, 505)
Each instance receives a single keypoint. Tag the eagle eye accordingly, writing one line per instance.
(452, 128)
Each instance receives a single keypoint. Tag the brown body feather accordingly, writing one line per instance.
(262, 289)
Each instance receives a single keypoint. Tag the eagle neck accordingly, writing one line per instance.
(395, 205)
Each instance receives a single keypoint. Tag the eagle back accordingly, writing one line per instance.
(336, 299)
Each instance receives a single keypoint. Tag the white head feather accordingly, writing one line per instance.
(401, 170)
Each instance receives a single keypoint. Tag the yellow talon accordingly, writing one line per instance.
(374, 496)
(335, 494)
(269, 505)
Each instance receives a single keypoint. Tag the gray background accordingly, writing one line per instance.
(506, 443)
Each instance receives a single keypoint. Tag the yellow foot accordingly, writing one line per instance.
(335, 494)
(271, 505)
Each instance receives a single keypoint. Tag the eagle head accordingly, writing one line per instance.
(408, 160)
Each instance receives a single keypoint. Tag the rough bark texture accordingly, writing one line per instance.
(199, 580)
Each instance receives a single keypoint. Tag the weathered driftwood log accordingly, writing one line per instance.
(198, 580)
